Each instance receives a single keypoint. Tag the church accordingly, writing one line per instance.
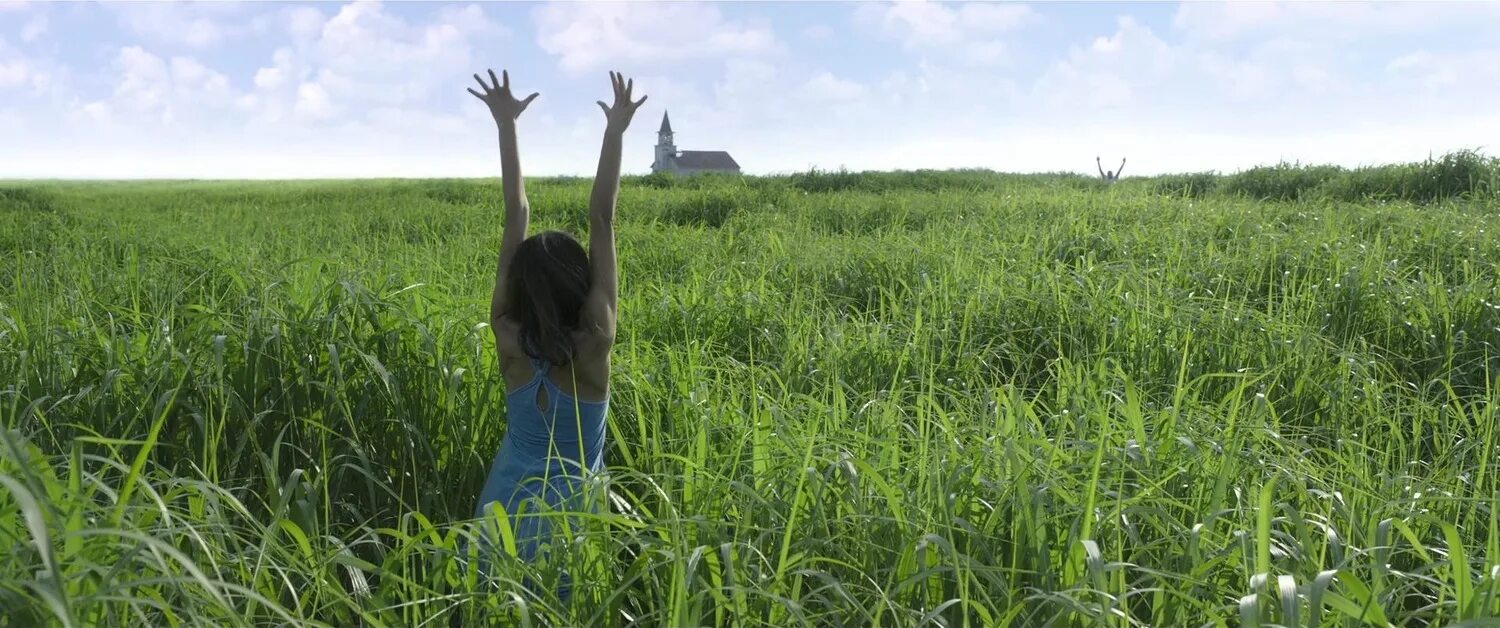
(669, 159)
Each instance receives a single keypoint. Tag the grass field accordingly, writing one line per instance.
(839, 399)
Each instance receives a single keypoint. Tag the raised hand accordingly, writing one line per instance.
(497, 96)
(618, 116)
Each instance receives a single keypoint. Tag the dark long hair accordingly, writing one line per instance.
(545, 290)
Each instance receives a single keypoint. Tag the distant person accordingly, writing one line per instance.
(553, 315)
(1109, 176)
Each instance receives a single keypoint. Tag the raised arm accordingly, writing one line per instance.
(604, 291)
(1099, 166)
(505, 109)
(1122, 168)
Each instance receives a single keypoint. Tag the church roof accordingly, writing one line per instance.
(666, 124)
(706, 160)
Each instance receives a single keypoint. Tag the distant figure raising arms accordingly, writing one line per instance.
(1109, 175)
(553, 315)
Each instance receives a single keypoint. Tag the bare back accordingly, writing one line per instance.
(590, 367)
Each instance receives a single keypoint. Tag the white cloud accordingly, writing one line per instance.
(825, 87)
(1442, 84)
(359, 91)
(589, 37)
(1270, 66)
(144, 79)
(34, 29)
(247, 103)
(995, 18)
(166, 91)
(1449, 70)
(917, 23)
(305, 22)
(818, 32)
(187, 71)
(1135, 70)
(1225, 20)
(1279, 94)
(98, 112)
(12, 5)
(971, 32)
(200, 26)
(364, 57)
(10, 120)
(1338, 21)
(739, 103)
(312, 102)
(1113, 71)
(195, 25)
(13, 72)
(18, 70)
(269, 78)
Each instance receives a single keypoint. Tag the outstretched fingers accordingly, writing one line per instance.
(498, 85)
(623, 89)
(481, 83)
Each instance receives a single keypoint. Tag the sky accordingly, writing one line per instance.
(367, 89)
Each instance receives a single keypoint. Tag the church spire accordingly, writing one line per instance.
(666, 152)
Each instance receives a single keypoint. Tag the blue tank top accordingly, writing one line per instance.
(545, 453)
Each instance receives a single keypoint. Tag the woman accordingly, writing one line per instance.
(553, 314)
(1109, 176)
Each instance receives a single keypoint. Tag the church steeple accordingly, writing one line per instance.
(666, 151)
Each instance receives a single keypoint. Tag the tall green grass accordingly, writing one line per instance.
(883, 399)
(1465, 174)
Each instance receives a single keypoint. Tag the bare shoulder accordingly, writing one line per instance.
(515, 368)
(507, 337)
(594, 345)
(593, 362)
(598, 322)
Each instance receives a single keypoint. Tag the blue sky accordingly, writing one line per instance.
(273, 90)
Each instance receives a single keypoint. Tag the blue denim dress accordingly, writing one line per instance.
(544, 457)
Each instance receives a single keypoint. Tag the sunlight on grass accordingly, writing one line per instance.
(838, 399)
